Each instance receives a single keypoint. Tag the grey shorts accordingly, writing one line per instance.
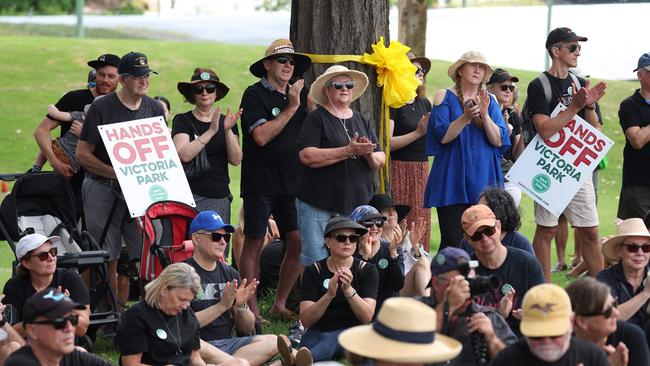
(98, 199)
(219, 205)
(581, 211)
(231, 345)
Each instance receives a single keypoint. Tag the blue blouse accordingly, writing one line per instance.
(467, 165)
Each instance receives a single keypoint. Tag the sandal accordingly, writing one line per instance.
(559, 267)
(284, 348)
(303, 357)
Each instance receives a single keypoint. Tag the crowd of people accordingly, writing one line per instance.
(371, 288)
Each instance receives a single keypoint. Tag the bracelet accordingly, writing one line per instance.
(591, 107)
(242, 307)
(353, 295)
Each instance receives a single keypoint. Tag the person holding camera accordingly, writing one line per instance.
(468, 137)
(480, 329)
(516, 270)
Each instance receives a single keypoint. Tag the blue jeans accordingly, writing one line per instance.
(311, 222)
(324, 346)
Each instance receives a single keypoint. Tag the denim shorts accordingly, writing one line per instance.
(312, 221)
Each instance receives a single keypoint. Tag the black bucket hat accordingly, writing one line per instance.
(382, 201)
(201, 75)
(342, 222)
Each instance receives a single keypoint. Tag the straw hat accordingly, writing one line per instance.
(629, 227)
(470, 57)
(360, 79)
(405, 332)
(281, 47)
(201, 75)
(423, 61)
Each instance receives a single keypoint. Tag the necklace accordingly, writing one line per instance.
(178, 333)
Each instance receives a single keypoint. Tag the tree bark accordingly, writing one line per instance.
(412, 26)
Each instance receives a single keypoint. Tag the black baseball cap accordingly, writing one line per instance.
(500, 75)
(135, 64)
(49, 303)
(562, 34)
(107, 59)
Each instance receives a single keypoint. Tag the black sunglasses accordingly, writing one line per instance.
(376, 222)
(338, 85)
(633, 248)
(506, 87)
(353, 238)
(43, 256)
(283, 60)
(218, 236)
(60, 323)
(207, 88)
(607, 313)
(489, 231)
(420, 71)
(572, 48)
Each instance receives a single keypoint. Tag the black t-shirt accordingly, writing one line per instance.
(560, 92)
(213, 283)
(215, 183)
(338, 315)
(156, 335)
(521, 270)
(391, 272)
(635, 111)
(342, 186)
(406, 121)
(72, 101)
(271, 169)
(25, 357)
(514, 119)
(635, 340)
(18, 289)
(579, 352)
(620, 288)
(110, 109)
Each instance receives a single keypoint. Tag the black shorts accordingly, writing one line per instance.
(257, 210)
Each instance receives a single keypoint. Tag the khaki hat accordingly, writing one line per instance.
(360, 79)
(546, 311)
(625, 228)
(475, 217)
(405, 332)
(470, 57)
(281, 47)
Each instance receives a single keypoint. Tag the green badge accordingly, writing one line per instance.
(440, 259)
(326, 283)
(383, 263)
(275, 111)
(161, 333)
(541, 183)
(205, 76)
(505, 289)
(157, 193)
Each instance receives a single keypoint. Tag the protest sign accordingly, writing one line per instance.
(146, 163)
(552, 171)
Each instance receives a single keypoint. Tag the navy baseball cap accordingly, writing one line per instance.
(49, 303)
(563, 34)
(107, 59)
(644, 62)
(135, 64)
(209, 221)
(448, 259)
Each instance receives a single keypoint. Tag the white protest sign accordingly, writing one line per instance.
(552, 171)
(146, 163)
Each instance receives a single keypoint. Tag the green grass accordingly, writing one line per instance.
(37, 70)
(55, 30)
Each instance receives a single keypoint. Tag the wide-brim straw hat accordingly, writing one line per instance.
(470, 57)
(629, 227)
(405, 332)
(360, 83)
(202, 75)
(281, 47)
(423, 61)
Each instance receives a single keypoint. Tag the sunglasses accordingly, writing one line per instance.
(60, 323)
(43, 256)
(607, 313)
(207, 88)
(572, 48)
(283, 60)
(218, 236)
(506, 87)
(419, 71)
(633, 248)
(376, 222)
(354, 238)
(338, 85)
(478, 235)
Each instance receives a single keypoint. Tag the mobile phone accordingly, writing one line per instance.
(472, 103)
(9, 314)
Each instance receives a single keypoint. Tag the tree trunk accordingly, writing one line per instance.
(412, 27)
(342, 27)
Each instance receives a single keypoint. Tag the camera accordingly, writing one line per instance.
(478, 285)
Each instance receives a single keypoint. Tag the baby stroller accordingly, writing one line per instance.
(43, 203)
(165, 234)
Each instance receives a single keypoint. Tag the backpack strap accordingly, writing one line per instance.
(576, 81)
(317, 266)
(546, 85)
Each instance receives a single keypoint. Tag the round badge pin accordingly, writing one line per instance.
(505, 289)
(275, 112)
(161, 334)
(383, 263)
(205, 76)
(440, 259)
(326, 283)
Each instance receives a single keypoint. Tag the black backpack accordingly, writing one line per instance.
(528, 130)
